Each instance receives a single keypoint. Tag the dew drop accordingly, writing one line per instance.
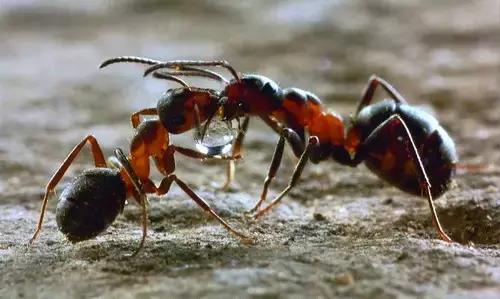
(217, 140)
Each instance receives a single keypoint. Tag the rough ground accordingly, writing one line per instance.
(341, 233)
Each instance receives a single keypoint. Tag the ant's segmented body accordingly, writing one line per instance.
(398, 142)
(403, 145)
(92, 201)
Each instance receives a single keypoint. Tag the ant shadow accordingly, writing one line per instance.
(465, 222)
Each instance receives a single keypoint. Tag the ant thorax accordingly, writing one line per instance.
(217, 138)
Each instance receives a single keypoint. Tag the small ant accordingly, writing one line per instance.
(398, 142)
(92, 201)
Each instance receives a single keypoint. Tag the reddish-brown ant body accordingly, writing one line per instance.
(398, 142)
(92, 201)
(402, 144)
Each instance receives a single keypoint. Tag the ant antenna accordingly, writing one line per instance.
(131, 59)
(180, 64)
(181, 70)
(196, 72)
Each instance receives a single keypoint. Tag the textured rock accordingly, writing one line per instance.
(342, 232)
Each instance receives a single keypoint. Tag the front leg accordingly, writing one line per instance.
(135, 118)
(293, 139)
(236, 152)
(164, 187)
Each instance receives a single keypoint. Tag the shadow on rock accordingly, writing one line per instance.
(466, 222)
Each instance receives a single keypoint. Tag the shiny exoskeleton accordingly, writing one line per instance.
(402, 144)
(91, 202)
(375, 135)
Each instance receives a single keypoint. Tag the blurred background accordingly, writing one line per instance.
(443, 55)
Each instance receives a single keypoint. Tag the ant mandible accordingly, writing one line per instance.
(92, 201)
(398, 142)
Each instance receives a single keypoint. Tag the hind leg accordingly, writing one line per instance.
(99, 161)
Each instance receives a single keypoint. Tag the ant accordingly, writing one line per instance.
(398, 142)
(402, 144)
(92, 201)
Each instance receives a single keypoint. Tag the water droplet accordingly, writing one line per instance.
(217, 140)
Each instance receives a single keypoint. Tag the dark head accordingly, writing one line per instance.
(90, 203)
(387, 153)
(252, 94)
(176, 108)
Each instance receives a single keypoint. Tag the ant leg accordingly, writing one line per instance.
(304, 158)
(144, 221)
(273, 168)
(369, 91)
(99, 161)
(236, 152)
(413, 152)
(179, 64)
(166, 162)
(135, 118)
(165, 185)
(123, 163)
(286, 134)
(297, 144)
(272, 124)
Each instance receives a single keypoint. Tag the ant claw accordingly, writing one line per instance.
(445, 238)
(248, 241)
(250, 213)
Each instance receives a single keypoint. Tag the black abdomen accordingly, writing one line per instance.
(90, 203)
(389, 155)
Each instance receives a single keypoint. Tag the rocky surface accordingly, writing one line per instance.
(342, 232)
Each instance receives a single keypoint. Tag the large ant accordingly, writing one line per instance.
(400, 143)
(92, 201)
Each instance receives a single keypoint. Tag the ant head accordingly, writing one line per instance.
(176, 107)
(90, 203)
(252, 94)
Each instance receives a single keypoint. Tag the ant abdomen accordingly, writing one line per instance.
(389, 148)
(90, 203)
